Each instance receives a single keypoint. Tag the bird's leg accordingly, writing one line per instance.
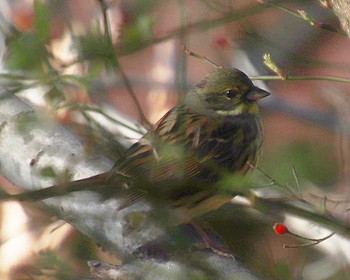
(209, 242)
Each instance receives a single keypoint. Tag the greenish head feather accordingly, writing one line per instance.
(226, 92)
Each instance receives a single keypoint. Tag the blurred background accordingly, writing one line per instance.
(60, 62)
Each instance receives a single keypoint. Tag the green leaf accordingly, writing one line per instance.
(49, 265)
(48, 172)
(42, 21)
(230, 183)
(133, 35)
(312, 162)
(98, 48)
(145, 25)
(26, 52)
(55, 97)
(26, 122)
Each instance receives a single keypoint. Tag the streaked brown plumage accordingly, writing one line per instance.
(205, 143)
(216, 129)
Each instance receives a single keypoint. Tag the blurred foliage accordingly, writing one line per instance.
(19, 58)
(82, 248)
(138, 23)
(312, 162)
(283, 271)
(32, 64)
(97, 47)
(26, 123)
(135, 34)
(48, 172)
(46, 265)
(27, 50)
(55, 97)
(55, 266)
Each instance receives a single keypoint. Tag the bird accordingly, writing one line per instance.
(215, 130)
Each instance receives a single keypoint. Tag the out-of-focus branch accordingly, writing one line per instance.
(225, 268)
(125, 79)
(301, 14)
(342, 9)
(25, 134)
(196, 26)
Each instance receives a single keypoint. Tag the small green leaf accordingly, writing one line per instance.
(305, 16)
(54, 97)
(49, 265)
(26, 122)
(26, 53)
(97, 47)
(234, 183)
(48, 172)
(272, 65)
(145, 26)
(133, 35)
(42, 21)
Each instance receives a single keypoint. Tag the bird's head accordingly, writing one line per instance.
(227, 92)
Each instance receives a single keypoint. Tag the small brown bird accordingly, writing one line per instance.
(215, 130)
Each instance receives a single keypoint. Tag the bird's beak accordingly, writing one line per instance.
(256, 94)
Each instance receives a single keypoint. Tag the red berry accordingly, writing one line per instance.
(280, 228)
(221, 42)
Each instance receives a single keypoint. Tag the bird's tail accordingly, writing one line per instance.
(94, 183)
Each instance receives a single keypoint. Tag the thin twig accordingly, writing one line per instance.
(273, 180)
(301, 78)
(132, 94)
(313, 241)
(84, 107)
(312, 22)
(181, 81)
(127, 84)
(197, 26)
(297, 181)
(106, 25)
(329, 199)
(188, 52)
(196, 55)
(325, 209)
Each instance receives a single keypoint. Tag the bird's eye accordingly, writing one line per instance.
(232, 93)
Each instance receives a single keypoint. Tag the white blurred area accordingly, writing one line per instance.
(336, 248)
(163, 74)
(16, 242)
(19, 240)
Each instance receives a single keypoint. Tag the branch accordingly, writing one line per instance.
(31, 142)
(125, 79)
(341, 9)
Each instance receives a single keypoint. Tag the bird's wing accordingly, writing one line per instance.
(230, 144)
(188, 144)
(160, 154)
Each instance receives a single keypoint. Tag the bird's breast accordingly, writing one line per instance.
(230, 143)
